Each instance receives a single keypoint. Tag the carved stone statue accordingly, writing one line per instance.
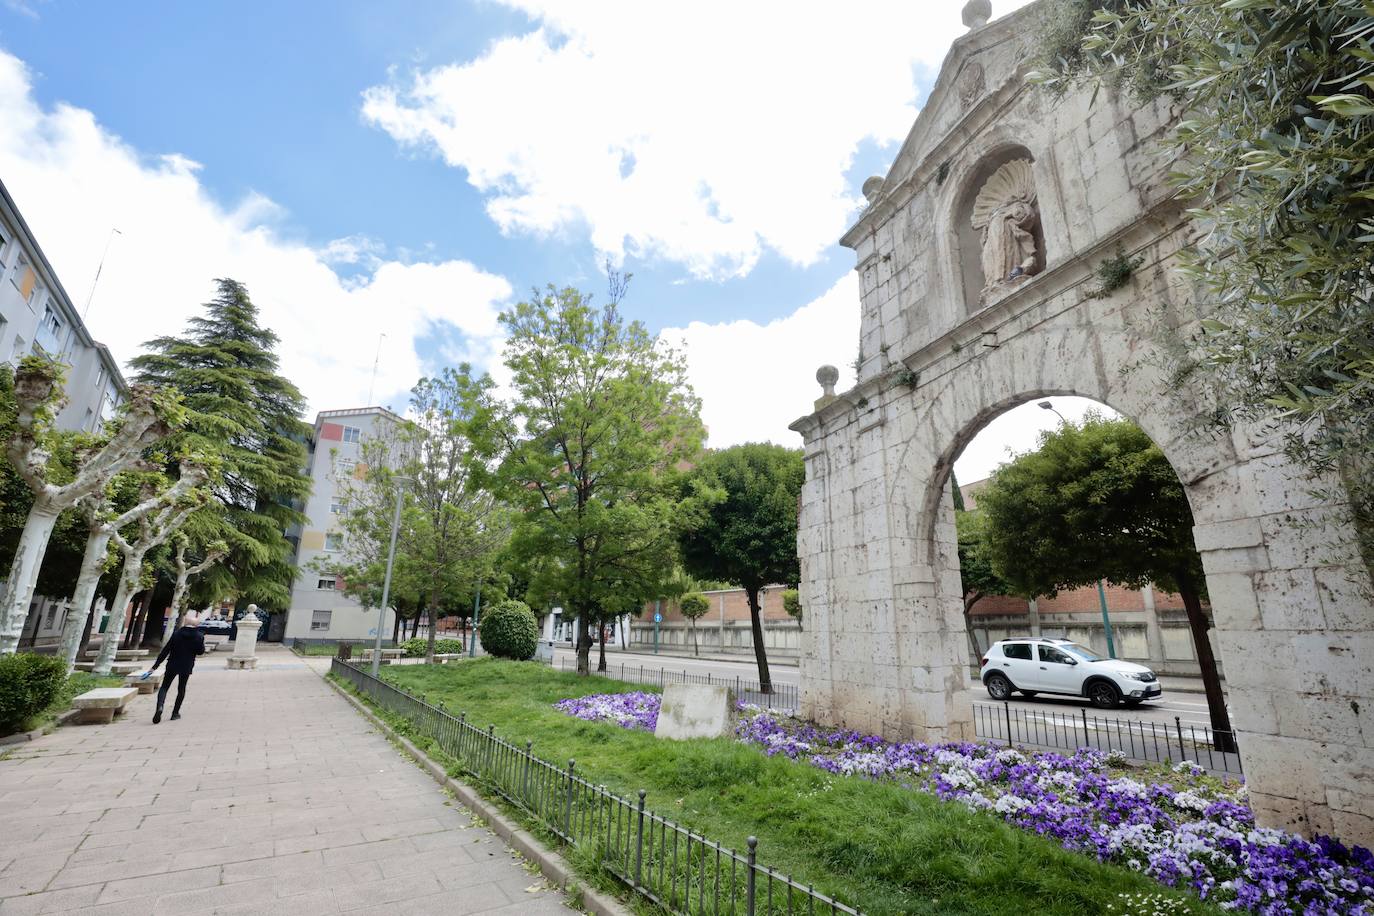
(1005, 213)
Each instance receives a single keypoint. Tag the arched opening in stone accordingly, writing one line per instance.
(1161, 622)
(1000, 240)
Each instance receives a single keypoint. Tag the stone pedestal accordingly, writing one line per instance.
(693, 711)
(246, 641)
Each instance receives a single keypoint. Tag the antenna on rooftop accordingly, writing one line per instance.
(375, 363)
(99, 267)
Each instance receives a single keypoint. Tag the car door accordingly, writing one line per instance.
(1018, 663)
(1057, 671)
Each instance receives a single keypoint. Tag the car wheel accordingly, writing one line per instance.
(999, 688)
(1028, 694)
(1103, 695)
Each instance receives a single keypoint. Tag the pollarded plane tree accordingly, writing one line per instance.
(154, 493)
(149, 416)
(187, 568)
(153, 530)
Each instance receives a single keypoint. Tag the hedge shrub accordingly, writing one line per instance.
(509, 630)
(415, 648)
(28, 685)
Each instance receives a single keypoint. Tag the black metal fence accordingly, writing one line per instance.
(1146, 742)
(783, 697)
(677, 869)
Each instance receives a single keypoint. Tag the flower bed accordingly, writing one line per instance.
(1179, 826)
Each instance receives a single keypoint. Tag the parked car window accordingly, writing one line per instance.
(1017, 650)
(1055, 656)
(1082, 653)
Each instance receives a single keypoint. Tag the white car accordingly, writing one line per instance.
(1034, 665)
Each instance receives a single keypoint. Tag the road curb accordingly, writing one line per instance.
(551, 864)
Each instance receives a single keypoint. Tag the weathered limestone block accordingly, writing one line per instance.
(693, 711)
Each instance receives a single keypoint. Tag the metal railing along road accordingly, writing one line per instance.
(1146, 742)
(674, 867)
(784, 697)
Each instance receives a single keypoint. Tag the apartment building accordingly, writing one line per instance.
(320, 609)
(37, 317)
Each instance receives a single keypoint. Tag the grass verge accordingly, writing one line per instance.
(78, 682)
(877, 845)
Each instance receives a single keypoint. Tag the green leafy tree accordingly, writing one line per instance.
(588, 449)
(1275, 158)
(1099, 501)
(747, 528)
(791, 603)
(243, 410)
(694, 606)
(508, 630)
(976, 571)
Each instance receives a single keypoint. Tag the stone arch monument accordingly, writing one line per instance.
(975, 257)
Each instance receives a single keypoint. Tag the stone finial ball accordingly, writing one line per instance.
(872, 186)
(828, 376)
(977, 13)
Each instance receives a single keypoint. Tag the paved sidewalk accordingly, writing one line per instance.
(270, 795)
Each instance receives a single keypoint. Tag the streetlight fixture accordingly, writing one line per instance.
(1046, 405)
(386, 583)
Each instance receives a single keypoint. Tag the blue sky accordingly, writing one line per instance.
(410, 168)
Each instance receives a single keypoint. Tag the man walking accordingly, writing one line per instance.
(180, 654)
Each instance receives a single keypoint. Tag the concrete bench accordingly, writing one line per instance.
(118, 669)
(144, 685)
(446, 657)
(102, 704)
(123, 655)
(387, 654)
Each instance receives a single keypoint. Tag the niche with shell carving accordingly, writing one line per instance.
(1001, 242)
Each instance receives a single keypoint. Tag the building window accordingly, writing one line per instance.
(336, 506)
(344, 468)
(319, 620)
(333, 541)
(25, 279)
(326, 584)
(352, 434)
(50, 328)
(18, 351)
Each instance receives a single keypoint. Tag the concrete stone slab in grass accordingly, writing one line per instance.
(693, 711)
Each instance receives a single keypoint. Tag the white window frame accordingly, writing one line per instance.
(316, 623)
(327, 585)
(336, 505)
(338, 544)
(357, 434)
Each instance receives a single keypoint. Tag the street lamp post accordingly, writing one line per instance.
(1046, 405)
(386, 582)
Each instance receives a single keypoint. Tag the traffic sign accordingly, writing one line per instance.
(658, 618)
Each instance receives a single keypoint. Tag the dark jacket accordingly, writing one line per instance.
(181, 650)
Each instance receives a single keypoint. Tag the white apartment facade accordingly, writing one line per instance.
(320, 609)
(37, 317)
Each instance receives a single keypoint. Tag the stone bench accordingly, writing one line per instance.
(123, 655)
(102, 704)
(117, 669)
(144, 685)
(446, 657)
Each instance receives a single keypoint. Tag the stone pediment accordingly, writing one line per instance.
(982, 65)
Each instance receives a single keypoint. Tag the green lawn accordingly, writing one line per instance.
(329, 649)
(78, 683)
(886, 849)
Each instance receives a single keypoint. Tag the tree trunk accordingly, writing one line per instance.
(696, 646)
(601, 660)
(584, 645)
(28, 557)
(35, 621)
(1222, 738)
(140, 621)
(83, 597)
(760, 654)
(969, 602)
(395, 629)
(432, 614)
(133, 569)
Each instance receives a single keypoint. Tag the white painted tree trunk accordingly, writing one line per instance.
(28, 557)
(92, 564)
(109, 643)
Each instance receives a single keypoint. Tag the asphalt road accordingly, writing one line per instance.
(1190, 708)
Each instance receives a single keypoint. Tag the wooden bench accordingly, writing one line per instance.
(144, 685)
(118, 669)
(102, 704)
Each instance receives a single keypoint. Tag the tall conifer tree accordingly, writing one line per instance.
(241, 407)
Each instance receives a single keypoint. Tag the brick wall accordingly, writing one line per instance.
(736, 606)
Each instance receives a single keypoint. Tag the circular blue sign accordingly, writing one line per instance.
(658, 618)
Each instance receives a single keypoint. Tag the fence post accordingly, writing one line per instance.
(567, 804)
(1006, 705)
(525, 779)
(462, 733)
(639, 840)
(491, 748)
(1182, 755)
(1085, 726)
(752, 860)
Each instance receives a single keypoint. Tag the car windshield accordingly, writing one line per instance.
(1080, 652)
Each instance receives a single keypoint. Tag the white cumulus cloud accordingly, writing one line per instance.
(755, 379)
(74, 180)
(702, 132)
